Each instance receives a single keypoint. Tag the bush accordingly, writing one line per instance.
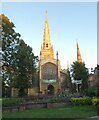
(9, 102)
(58, 99)
(92, 91)
(81, 101)
(95, 102)
(55, 100)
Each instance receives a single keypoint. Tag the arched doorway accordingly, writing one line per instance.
(50, 90)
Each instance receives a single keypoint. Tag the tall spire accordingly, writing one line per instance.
(47, 49)
(79, 59)
(46, 38)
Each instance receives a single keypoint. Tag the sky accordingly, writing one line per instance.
(68, 22)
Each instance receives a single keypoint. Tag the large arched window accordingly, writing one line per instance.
(49, 71)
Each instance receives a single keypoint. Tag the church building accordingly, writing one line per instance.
(49, 67)
(49, 75)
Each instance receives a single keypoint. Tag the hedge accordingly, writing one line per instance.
(81, 101)
(95, 102)
(6, 102)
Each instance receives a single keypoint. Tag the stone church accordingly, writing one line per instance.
(49, 67)
(49, 76)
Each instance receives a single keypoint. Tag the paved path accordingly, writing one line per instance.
(91, 118)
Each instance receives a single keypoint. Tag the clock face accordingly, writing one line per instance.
(49, 71)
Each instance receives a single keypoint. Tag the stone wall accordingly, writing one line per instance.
(31, 105)
(51, 105)
(24, 107)
(33, 91)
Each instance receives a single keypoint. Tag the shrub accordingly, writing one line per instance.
(59, 99)
(55, 100)
(8, 102)
(92, 91)
(95, 102)
(81, 101)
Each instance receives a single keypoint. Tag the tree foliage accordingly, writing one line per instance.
(25, 67)
(9, 39)
(18, 60)
(80, 72)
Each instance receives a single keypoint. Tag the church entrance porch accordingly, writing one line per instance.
(50, 90)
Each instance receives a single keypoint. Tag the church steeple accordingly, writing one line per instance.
(79, 59)
(47, 49)
(46, 37)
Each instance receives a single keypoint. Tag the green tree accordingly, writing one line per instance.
(9, 39)
(25, 67)
(18, 60)
(80, 72)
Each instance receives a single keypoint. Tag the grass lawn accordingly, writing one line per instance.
(60, 112)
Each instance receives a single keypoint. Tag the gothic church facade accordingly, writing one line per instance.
(49, 76)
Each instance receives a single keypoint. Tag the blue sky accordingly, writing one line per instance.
(68, 22)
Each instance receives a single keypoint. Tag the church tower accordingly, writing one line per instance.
(49, 67)
(79, 59)
(46, 49)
